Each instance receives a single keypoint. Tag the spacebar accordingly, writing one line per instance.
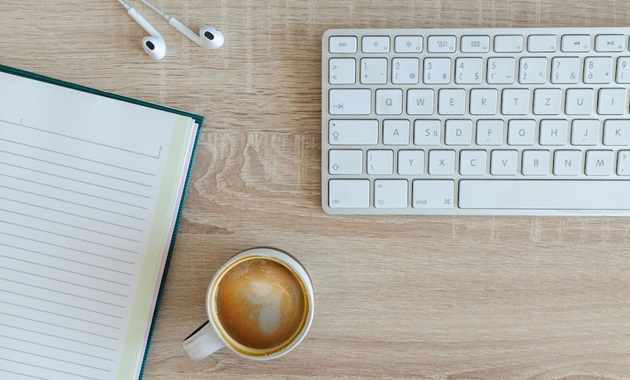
(545, 194)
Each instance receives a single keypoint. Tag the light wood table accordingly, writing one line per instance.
(399, 297)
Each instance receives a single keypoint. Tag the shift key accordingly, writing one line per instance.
(349, 101)
(353, 132)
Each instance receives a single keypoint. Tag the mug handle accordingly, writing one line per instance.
(202, 342)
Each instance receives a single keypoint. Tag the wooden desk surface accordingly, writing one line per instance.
(399, 297)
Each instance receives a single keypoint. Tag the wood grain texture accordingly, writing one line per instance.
(396, 297)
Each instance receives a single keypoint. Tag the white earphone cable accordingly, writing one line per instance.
(158, 11)
(127, 7)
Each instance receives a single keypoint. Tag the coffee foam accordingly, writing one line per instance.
(260, 304)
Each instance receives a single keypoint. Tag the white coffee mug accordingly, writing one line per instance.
(260, 304)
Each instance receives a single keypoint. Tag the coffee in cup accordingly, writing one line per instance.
(259, 304)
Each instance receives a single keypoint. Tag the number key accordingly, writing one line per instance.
(405, 70)
(565, 70)
(533, 70)
(437, 70)
(597, 69)
(623, 70)
(468, 70)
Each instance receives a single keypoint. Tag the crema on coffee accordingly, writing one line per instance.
(261, 304)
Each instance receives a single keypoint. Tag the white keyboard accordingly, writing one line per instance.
(476, 121)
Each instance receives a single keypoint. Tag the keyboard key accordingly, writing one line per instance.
(508, 44)
(580, 101)
(458, 132)
(483, 101)
(623, 70)
(612, 101)
(521, 132)
(353, 132)
(490, 132)
(544, 194)
(342, 44)
(547, 101)
(576, 43)
(410, 162)
(374, 70)
(585, 132)
(609, 42)
(554, 132)
(599, 162)
(535, 162)
(533, 70)
(390, 194)
(433, 194)
(405, 70)
(542, 43)
(565, 70)
(441, 44)
(420, 102)
(468, 70)
(427, 132)
(341, 71)
(345, 161)
(598, 70)
(380, 162)
(353, 193)
(623, 163)
(442, 162)
(475, 44)
(617, 132)
(452, 102)
(437, 70)
(504, 162)
(395, 132)
(408, 44)
(567, 162)
(349, 101)
(515, 102)
(501, 70)
(375, 44)
(472, 162)
(389, 102)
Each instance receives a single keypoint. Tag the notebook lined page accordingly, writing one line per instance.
(77, 197)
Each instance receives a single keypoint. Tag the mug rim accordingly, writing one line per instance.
(300, 271)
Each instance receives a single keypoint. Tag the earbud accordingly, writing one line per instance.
(208, 37)
(153, 44)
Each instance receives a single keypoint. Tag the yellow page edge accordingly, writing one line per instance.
(159, 242)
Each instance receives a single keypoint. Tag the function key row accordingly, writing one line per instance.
(509, 43)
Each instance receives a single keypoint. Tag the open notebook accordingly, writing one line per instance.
(91, 188)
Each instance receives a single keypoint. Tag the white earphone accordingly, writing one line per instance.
(208, 37)
(154, 44)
